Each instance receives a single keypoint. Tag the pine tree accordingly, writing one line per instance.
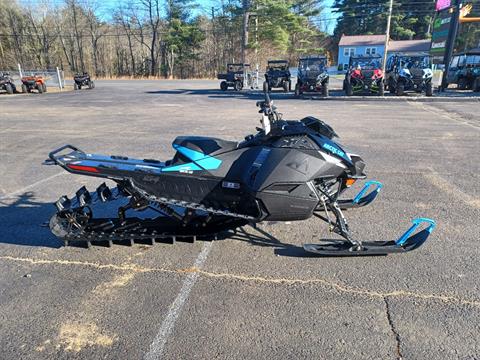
(411, 19)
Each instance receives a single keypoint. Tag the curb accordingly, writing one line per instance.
(396, 99)
(289, 96)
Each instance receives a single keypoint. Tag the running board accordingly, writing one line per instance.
(409, 241)
(361, 199)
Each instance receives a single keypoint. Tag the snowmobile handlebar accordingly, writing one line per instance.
(267, 108)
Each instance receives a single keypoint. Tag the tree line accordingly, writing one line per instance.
(167, 38)
(411, 19)
(180, 39)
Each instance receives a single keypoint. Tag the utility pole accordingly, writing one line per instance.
(215, 60)
(452, 35)
(256, 47)
(245, 5)
(387, 35)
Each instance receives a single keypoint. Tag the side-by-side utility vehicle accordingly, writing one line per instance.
(312, 75)
(277, 76)
(364, 76)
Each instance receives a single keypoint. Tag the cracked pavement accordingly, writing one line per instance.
(255, 296)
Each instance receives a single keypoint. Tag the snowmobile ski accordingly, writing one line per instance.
(407, 242)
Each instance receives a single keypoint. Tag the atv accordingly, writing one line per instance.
(406, 72)
(234, 77)
(277, 76)
(312, 75)
(6, 83)
(364, 76)
(33, 82)
(82, 80)
(289, 170)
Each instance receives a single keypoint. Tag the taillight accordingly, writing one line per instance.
(83, 168)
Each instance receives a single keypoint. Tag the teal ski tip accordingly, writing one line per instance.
(365, 188)
(420, 240)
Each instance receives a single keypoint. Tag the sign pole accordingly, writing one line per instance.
(387, 36)
(452, 35)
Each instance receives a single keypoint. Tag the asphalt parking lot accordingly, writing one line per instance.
(251, 296)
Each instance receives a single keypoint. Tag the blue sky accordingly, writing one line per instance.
(105, 6)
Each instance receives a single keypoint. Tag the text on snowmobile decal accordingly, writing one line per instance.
(333, 149)
(230, 185)
(261, 157)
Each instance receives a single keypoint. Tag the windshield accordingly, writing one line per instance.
(366, 64)
(473, 60)
(311, 65)
(235, 68)
(277, 66)
(414, 62)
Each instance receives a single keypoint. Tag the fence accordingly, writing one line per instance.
(53, 77)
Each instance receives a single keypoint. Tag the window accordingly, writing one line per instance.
(454, 62)
(390, 63)
(461, 61)
(370, 51)
(473, 60)
(349, 51)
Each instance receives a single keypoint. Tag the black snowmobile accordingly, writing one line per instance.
(288, 170)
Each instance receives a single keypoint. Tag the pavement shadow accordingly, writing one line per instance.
(211, 93)
(265, 239)
(24, 221)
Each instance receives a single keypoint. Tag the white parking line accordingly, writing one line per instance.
(28, 187)
(158, 344)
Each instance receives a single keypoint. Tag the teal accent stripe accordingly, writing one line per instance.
(200, 161)
(191, 154)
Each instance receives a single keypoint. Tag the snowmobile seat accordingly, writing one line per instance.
(205, 145)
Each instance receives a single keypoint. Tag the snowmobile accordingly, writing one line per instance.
(288, 170)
